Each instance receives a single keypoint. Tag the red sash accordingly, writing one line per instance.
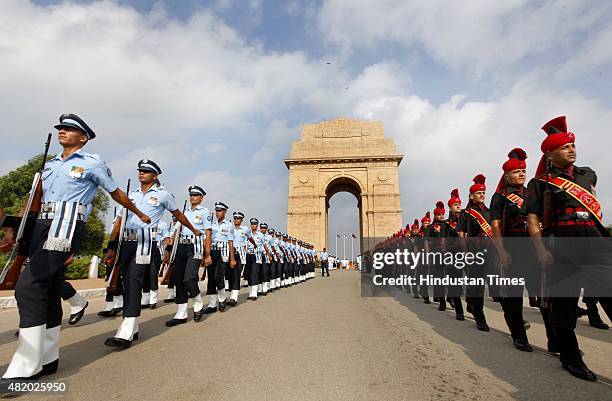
(514, 198)
(482, 222)
(584, 197)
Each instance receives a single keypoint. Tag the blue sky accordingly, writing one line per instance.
(216, 91)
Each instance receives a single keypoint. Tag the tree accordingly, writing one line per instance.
(15, 187)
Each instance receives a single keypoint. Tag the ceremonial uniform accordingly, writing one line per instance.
(423, 269)
(222, 234)
(274, 259)
(68, 188)
(454, 292)
(474, 222)
(576, 263)
(267, 259)
(187, 260)
(435, 235)
(281, 259)
(241, 237)
(254, 259)
(135, 253)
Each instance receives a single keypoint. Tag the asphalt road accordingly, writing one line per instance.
(320, 340)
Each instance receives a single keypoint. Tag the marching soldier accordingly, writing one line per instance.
(191, 252)
(474, 226)
(267, 259)
(281, 260)
(274, 260)
(422, 269)
(562, 199)
(223, 257)
(69, 183)
(507, 221)
(136, 246)
(242, 236)
(452, 245)
(413, 245)
(254, 258)
(435, 234)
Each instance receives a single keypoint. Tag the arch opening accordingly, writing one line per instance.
(346, 194)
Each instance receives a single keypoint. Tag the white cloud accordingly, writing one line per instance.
(479, 36)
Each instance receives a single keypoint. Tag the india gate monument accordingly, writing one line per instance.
(343, 155)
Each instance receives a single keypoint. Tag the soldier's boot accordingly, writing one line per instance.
(594, 318)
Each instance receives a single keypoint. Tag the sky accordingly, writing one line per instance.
(216, 91)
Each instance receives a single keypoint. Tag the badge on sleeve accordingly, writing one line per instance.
(76, 172)
(110, 174)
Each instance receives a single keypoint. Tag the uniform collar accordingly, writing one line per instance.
(154, 188)
(80, 153)
(199, 207)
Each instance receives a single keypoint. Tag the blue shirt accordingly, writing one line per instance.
(153, 203)
(241, 235)
(222, 231)
(200, 218)
(76, 178)
(162, 231)
(258, 238)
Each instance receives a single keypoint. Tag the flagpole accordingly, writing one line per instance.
(344, 247)
(336, 244)
(352, 250)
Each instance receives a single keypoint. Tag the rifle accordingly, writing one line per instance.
(547, 210)
(168, 267)
(111, 283)
(19, 253)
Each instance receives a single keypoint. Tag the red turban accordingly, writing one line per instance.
(479, 184)
(439, 208)
(427, 218)
(415, 225)
(454, 197)
(556, 136)
(516, 161)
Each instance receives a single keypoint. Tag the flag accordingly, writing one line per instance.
(353, 235)
(338, 235)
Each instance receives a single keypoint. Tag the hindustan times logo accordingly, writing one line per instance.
(404, 257)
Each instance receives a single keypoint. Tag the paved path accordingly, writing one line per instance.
(318, 341)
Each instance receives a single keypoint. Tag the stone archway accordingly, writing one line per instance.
(343, 155)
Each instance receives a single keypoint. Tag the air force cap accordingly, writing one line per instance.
(149, 165)
(254, 220)
(74, 121)
(196, 190)
(220, 206)
(239, 215)
(263, 225)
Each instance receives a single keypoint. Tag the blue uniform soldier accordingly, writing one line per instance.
(222, 253)
(254, 257)
(70, 181)
(137, 246)
(324, 256)
(191, 253)
(242, 236)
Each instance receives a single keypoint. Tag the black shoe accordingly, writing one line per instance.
(118, 343)
(197, 316)
(107, 313)
(581, 312)
(232, 302)
(49, 368)
(522, 345)
(116, 311)
(599, 324)
(553, 348)
(426, 301)
(74, 319)
(526, 325)
(169, 300)
(222, 306)
(442, 306)
(482, 325)
(146, 306)
(460, 316)
(175, 322)
(208, 310)
(580, 371)
(264, 293)
(153, 306)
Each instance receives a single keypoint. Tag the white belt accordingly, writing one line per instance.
(47, 211)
